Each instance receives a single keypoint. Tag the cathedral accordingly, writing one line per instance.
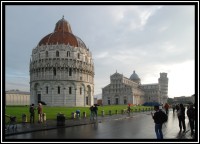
(61, 69)
(123, 90)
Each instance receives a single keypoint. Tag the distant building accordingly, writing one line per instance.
(16, 97)
(62, 69)
(99, 101)
(184, 99)
(122, 90)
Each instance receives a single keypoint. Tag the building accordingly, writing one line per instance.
(99, 101)
(184, 99)
(62, 69)
(18, 98)
(123, 90)
(157, 92)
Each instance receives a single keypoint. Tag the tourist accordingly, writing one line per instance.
(95, 109)
(191, 116)
(40, 112)
(181, 117)
(129, 109)
(173, 107)
(92, 113)
(166, 107)
(32, 113)
(158, 125)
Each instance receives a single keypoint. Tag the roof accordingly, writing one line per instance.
(134, 76)
(62, 35)
(17, 92)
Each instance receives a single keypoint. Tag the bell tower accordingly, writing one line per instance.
(163, 82)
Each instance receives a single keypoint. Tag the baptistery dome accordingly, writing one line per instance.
(62, 35)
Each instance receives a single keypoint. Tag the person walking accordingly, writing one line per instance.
(191, 116)
(32, 113)
(129, 109)
(181, 117)
(166, 107)
(40, 113)
(158, 124)
(95, 111)
(173, 107)
(92, 113)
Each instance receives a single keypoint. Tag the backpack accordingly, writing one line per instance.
(163, 117)
(31, 110)
(91, 108)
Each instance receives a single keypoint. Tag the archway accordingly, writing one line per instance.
(37, 93)
(88, 98)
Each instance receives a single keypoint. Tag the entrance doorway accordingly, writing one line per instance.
(116, 101)
(39, 97)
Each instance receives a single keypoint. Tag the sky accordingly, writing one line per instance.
(149, 39)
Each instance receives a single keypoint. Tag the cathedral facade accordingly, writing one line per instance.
(62, 69)
(122, 90)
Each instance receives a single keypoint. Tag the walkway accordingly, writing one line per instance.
(170, 132)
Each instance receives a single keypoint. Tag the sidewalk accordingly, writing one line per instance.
(52, 124)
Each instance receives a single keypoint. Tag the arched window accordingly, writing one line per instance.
(58, 89)
(54, 71)
(80, 91)
(78, 55)
(70, 90)
(70, 71)
(57, 53)
(46, 54)
(108, 101)
(68, 53)
(47, 90)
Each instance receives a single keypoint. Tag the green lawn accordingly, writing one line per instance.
(51, 112)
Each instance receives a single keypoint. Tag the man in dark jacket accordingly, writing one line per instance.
(32, 113)
(191, 116)
(95, 108)
(181, 117)
(158, 124)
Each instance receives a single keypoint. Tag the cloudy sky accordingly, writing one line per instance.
(149, 39)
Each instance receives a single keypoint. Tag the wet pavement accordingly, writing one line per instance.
(170, 129)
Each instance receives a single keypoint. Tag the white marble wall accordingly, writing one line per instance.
(50, 66)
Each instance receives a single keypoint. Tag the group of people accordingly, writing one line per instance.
(32, 113)
(93, 112)
(180, 109)
(181, 116)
